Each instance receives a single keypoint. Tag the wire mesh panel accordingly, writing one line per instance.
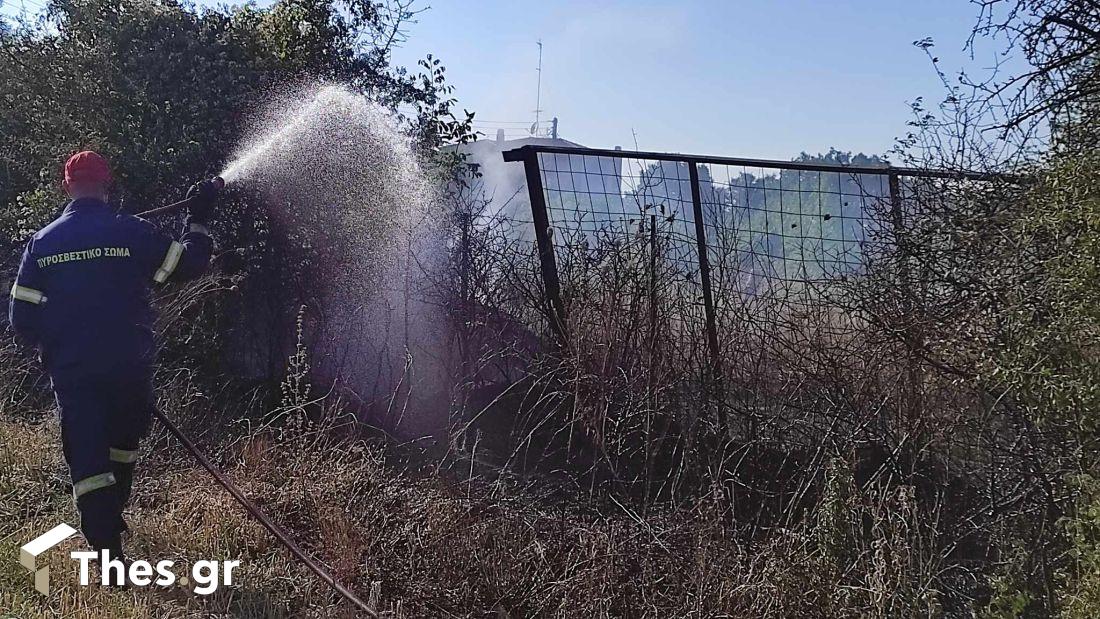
(766, 224)
(774, 236)
(764, 313)
(623, 232)
(788, 225)
(597, 203)
(666, 269)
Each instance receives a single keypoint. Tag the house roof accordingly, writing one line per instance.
(489, 146)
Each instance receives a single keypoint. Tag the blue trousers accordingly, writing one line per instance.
(102, 421)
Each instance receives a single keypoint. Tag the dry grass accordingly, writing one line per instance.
(423, 545)
(662, 523)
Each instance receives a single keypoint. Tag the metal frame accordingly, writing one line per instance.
(529, 156)
(547, 260)
(523, 153)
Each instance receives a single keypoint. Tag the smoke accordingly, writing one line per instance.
(340, 176)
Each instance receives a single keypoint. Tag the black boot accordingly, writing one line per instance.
(124, 480)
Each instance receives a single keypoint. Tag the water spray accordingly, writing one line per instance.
(340, 171)
(338, 174)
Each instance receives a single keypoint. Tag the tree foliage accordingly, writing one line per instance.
(163, 91)
(1009, 298)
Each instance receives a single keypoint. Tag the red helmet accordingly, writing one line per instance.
(87, 166)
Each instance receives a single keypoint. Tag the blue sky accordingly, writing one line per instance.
(751, 78)
(748, 78)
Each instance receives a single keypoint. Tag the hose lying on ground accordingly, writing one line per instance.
(279, 533)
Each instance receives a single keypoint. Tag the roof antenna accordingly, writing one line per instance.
(538, 94)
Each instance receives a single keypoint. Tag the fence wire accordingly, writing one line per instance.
(764, 224)
(735, 267)
(775, 237)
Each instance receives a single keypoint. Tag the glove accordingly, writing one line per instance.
(202, 194)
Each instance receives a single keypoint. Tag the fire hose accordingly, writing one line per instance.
(217, 181)
(253, 510)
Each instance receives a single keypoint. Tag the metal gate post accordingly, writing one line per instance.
(708, 298)
(913, 407)
(547, 259)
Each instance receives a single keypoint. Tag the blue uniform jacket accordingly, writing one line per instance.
(82, 296)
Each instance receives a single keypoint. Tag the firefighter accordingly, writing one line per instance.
(82, 298)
